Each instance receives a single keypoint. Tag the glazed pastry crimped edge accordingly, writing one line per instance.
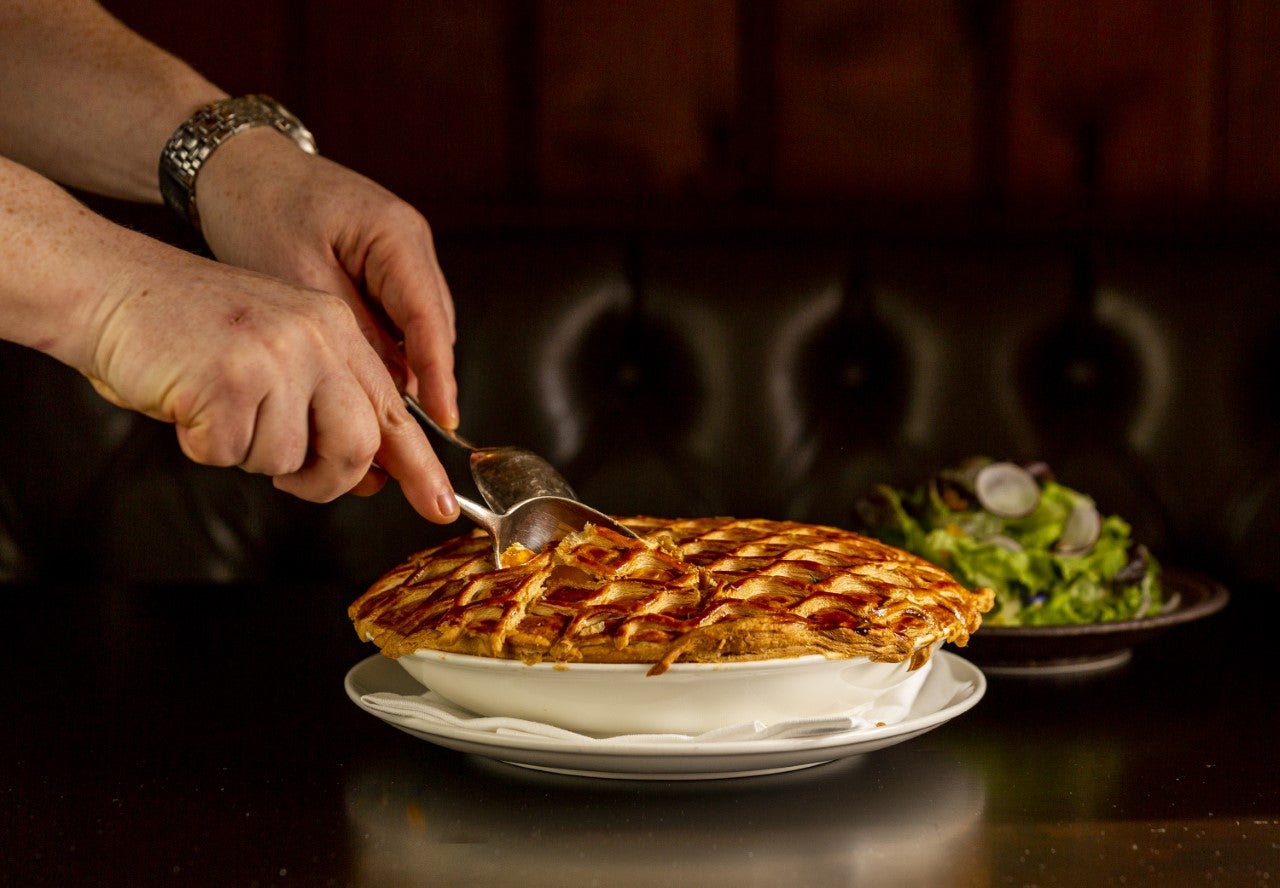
(690, 590)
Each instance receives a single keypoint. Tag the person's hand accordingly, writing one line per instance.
(258, 373)
(290, 379)
(267, 206)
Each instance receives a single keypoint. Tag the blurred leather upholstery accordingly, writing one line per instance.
(746, 374)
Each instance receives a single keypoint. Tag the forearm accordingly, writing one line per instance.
(86, 101)
(57, 259)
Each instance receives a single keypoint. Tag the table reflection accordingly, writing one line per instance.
(902, 816)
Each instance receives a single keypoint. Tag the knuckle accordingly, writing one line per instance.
(315, 482)
(215, 434)
(283, 462)
(394, 417)
(403, 214)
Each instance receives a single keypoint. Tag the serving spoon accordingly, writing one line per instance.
(504, 476)
(530, 503)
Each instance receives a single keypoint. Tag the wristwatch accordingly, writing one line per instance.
(201, 134)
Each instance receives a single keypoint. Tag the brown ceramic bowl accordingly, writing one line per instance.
(1047, 650)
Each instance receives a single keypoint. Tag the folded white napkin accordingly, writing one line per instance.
(429, 709)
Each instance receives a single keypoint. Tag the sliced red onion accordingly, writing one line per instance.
(1081, 531)
(1136, 568)
(1008, 543)
(1007, 490)
(1040, 471)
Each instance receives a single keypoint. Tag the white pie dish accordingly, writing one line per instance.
(604, 699)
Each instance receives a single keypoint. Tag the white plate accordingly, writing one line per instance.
(952, 687)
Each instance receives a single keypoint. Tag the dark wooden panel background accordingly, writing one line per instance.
(487, 109)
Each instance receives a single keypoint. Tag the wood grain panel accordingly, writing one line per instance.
(412, 94)
(1067, 103)
(1252, 143)
(636, 98)
(874, 99)
(1113, 101)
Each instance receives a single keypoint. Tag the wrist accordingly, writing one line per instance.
(202, 134)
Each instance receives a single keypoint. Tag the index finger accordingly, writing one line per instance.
(406, 280)
(406, 455)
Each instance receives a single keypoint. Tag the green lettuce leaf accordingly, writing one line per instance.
(1033, 584)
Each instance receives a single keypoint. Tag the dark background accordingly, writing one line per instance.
(710, 257)
(752, 258)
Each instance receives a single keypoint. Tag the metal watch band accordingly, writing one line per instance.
(200, 135)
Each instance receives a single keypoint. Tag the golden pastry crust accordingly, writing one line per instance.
(692, 590)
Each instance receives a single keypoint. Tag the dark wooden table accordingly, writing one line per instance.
(201, 736)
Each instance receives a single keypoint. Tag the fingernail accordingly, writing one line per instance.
(447, 503)
(451, 418)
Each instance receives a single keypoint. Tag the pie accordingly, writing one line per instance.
(700, 590)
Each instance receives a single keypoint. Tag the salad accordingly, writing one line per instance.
(1044, 549)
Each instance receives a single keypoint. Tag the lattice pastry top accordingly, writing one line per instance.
(692, 590)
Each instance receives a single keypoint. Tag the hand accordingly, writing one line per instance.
(261, 374)
(267, 206)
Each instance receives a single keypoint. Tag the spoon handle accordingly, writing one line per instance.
(479, 514)
(490, 521)
(415, 409)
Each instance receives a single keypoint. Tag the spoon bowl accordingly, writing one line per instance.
(529, 502)
(504, 476)
(537, 522)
